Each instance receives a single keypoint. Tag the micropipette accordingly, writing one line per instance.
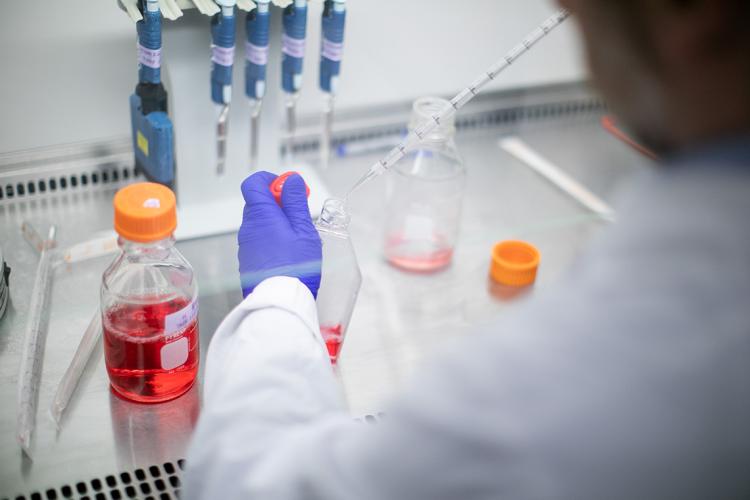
(257, 27)
(461, 98)
(152, 130)
(222, 61)
(293, 48)
(331, 50)
(31, 360)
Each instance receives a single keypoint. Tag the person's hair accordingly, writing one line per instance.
(736, 36)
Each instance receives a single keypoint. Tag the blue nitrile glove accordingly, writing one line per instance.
(277, 240)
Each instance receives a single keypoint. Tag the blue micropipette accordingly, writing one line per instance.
(222, 61)
(257, 24)
(331, 51)
(293, 48)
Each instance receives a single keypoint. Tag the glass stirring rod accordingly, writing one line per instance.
(463, 97)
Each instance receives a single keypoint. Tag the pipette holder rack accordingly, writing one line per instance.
(208, 203)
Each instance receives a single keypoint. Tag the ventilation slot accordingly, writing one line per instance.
(61, 183)
(156, 482)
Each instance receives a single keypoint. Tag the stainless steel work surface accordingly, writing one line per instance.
(399, 319)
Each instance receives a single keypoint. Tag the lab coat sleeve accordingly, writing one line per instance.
(273, 424)
(609, 387)
(267, 373)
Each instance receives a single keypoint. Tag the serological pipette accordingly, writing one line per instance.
(257, 27)
(31, 359)
(331, 50)
(69, 381)
(467, 94)
(222, 61)
(293, 49)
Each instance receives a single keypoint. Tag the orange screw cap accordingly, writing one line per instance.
(278, 184)
(145, 212)
(514, 263)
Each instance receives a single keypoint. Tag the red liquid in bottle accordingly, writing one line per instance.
(333, 338)
(420, 256)
(143, 364)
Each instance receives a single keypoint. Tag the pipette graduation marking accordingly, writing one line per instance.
(257, 25)
(463, 97)
(331, 50)
(31, 360)
(293, 48)
(222, 60)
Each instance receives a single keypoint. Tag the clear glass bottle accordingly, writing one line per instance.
(149, 301)
(340, 279)
(424, 193)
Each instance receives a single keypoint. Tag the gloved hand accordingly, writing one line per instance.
(277, 240)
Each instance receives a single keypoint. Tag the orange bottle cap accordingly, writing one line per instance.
(278, 184)
(514, 263)
(145, 212)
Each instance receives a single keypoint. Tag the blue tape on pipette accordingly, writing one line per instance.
(149, 47)
(332, 43)
(257, 27)
(222, 56)
(152, 134)
(293, 45)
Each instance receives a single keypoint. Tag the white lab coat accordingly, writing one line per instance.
(630, 380)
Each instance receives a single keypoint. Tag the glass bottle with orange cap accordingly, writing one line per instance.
(149, 300)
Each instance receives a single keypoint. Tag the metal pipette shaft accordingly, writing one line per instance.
(327, 126)
(254, 126)
(463, 97)
(31, 362)
(222, 127)
(291, 126)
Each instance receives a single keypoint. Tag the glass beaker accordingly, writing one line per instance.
(340, 278)
(423, 196)
(149, 301)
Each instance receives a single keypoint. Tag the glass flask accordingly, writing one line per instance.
(424, 192)
(340, 279)
(149, 301)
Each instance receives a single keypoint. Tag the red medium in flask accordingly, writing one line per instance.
(149, 301)
(340, 278)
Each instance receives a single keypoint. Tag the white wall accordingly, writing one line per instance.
(69, 66)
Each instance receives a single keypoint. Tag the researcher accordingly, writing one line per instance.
(629, 380)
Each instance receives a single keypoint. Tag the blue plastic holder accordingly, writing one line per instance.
(152, 143)
(149, 47)
(332, 43)
(257, 27)
(293, 46)
(222, 56)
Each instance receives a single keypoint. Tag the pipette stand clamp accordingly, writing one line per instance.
(210, 204)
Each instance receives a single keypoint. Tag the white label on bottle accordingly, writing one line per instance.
(293, 47)
(177, 321)
(222, 55)
(256, 54)
(174, 354)
(418, 226)
(332, 50)
(149, 57)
